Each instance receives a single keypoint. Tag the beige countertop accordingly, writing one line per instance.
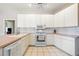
(8, 39)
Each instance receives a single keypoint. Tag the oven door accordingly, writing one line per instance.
(40, 38)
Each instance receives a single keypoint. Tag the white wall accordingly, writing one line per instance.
(6, 15)
(1, 25)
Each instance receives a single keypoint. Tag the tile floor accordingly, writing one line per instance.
(44, 51)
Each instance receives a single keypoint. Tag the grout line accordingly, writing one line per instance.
(43, 51)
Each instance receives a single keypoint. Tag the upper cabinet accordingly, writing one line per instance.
(45, 19)
(71, 15)
(32, 20)
(67, 17)
(59, 19)
(49, 20)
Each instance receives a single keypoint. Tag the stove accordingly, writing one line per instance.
(40, 37)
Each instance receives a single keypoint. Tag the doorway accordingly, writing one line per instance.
(9, 26)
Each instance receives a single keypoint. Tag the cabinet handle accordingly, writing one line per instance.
(9, 52)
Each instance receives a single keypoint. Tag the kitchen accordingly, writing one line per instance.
(39, 29)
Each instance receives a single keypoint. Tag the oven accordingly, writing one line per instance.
(40, 38)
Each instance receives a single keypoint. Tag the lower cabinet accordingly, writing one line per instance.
(50, 39)
(18, 48)
(57, 42)
(22, 45)
(67, 44)
(11, 50)
(32, 39)
(1, 51)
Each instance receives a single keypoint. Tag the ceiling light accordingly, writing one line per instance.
(37, 5)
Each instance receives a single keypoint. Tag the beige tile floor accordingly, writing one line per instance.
(44, 51)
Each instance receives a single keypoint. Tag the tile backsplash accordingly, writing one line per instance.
(32, 30)
(25, 30)
(68, 30)
(63, 30)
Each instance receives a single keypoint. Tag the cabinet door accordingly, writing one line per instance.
(50, 39)
(1, 51)
(11, 50)
(56, 21)
(71, 16)
(29, 20)
(38, 19)
(20, 20)
(21, 47)
(58, 41)
(49, 19)
(69, 46)
(45, 20)
(59, 19)
(26, 20)
(32, 39)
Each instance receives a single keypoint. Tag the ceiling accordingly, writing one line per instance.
(49, 8)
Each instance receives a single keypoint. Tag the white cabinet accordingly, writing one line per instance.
(44, 20)
(71, 15)
(38, 19)
(20, 20)
(49, 20)
(29, 20)
(17, 48)
(50, 39)
(67, 17)
(69, 45)
(23, 45)
(26, 20)
(32, 39)
(66, 44)
(1, 51)
(11, 50)
(59, 19)
(56, 21)
(32, 20)
(58, 41)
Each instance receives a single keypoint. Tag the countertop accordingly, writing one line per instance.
(8, 39)
(73, 36)
(67, 35)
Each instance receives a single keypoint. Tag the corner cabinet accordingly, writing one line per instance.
(68, 44)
